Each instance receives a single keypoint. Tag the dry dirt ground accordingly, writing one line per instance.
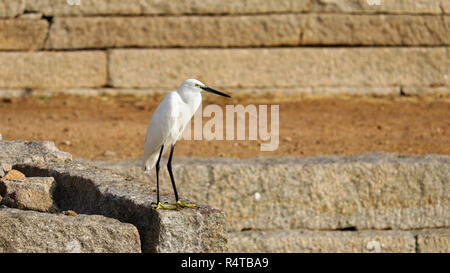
(115, 126)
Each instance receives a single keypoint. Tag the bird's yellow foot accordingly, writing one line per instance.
(184, 205)
(161, 206)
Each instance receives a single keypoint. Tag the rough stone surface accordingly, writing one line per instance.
(22, 151)
(5, 166)
(445, 6)
(87, 189)
(322, 241)
(11, 8)
(52, 69)
(168, 31)
(365, 91)
(433, 241)
(395, 7)
(243, 31)
(373, 191)
(14, 174)
(22, 34)
(236, 91)
(280, 67)
(426, 90)
(31, 193)
(337, 29)
(207, 224)
(140, 7)
(29, 231)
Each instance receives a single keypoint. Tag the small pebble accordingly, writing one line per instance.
(13, 174)
(70, 213)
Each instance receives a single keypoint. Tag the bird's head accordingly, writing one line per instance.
(194, 85)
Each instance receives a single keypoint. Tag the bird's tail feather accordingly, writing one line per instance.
(150, 162)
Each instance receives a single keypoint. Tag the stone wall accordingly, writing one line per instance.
(147, 46)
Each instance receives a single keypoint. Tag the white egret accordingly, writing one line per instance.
(167, 126)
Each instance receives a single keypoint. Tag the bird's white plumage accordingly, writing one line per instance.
(170, 119)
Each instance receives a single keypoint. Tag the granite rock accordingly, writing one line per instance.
(371, 191)
(31, 193)
(20, 151)
(280, 67)
(433, 241)
(30, 231)
(288, 241)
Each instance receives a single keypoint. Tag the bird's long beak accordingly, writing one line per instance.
(208, 89)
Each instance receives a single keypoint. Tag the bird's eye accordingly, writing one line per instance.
(197, 85)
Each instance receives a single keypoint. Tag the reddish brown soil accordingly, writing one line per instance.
(99, 127)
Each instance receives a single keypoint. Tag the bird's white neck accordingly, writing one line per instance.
(192, 99)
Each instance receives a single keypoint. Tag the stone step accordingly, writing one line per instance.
(87, 189)
(29, 231)
(371, 191)
(340, 241)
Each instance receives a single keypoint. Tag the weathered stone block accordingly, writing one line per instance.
(400, 30)
(11, 8)
(280, 67)
(322, 241)
(23, 151)
(373, 191)
(141, 7)
(90, 190)
(52, 69)
(363, 6)
(426, 90)
(246, 31)
(22, 34)
(433, 241)
(31, 193)
(86, 189)
(29, 231)
(167, 31)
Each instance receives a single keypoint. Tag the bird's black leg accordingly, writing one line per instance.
(157, 174)
(169, 168)
(159, 205)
